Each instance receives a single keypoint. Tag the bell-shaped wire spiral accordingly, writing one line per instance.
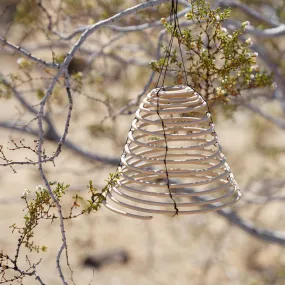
(172, 161)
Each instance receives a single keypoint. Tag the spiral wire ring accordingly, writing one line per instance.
(172, 161)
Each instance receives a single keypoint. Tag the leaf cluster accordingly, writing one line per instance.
(41, 206)
(5, 91)
(218, 63)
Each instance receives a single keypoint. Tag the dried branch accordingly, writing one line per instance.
(142, 27)
(276, 121)
(82, 29)
(258, 232)
(248, 10)
(28, 55)
(266, 33)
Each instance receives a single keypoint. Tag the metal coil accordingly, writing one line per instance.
(172, 162)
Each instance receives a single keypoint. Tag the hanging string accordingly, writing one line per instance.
(175, 29)
(162, 75)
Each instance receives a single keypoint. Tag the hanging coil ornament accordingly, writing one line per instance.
(172, 162)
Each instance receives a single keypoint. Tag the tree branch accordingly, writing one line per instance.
(28, 55)
(248, 10)
(260, 233)
(266, 33)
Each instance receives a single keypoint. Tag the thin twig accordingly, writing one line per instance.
(28, 55)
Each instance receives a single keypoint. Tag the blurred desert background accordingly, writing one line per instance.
(203, 249)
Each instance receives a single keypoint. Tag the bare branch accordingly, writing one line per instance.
(56, 138)
(142, 27)
(258, 232)
(16, 127)
(276, 121)
(266, 33)
(130, 28)
(83, 38)
(18, 96)
(28, 55)
(248, 10)
(57, 203)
